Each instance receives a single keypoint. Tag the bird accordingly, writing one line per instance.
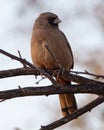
(51, 50)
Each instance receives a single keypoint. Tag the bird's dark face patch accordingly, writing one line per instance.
(51, 21)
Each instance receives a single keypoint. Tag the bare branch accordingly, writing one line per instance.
(24, 61)
(33, 71)
(84, 85)
(76, 114)
(24, 65)
(51, 90)
(88, 73)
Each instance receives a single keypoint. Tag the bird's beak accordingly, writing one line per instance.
(57, 21)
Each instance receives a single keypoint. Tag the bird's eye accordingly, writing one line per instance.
(51, 20)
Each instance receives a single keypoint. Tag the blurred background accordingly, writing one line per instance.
(83, 24)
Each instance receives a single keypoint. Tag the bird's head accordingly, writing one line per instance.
(47, 19)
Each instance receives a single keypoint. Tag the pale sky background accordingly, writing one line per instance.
(84, 34)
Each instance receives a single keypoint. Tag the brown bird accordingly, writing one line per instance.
(51, 50)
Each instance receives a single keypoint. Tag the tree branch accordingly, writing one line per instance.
(24, 61)
(76, 114)
(51, 90)
(33, 71)
(84, 85)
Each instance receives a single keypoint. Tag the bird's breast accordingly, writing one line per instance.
(51, 52)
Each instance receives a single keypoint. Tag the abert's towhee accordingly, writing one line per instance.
(51, 50)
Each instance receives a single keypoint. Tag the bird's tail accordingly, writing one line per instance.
(67, 101)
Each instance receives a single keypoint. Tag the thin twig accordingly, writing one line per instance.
(37, 82)
(88, 73)
(24, 65)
